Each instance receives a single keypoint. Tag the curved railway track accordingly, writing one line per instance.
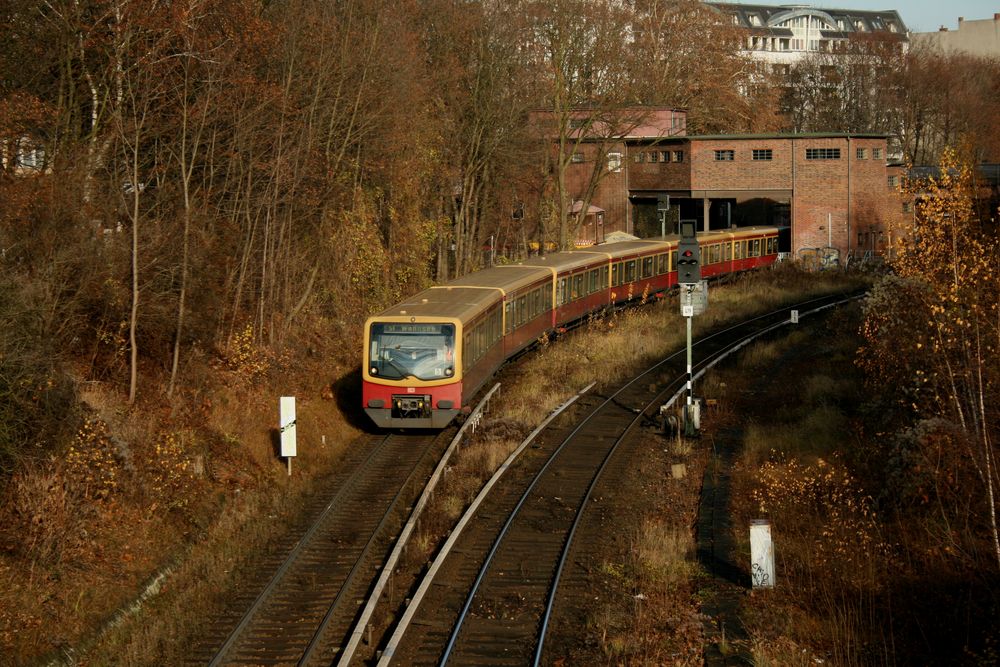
(306, 609)
(504, 570)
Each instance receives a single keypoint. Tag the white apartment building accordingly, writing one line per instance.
(782, 35)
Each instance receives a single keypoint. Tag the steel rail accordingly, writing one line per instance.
(418, 596)
(294, 554)
(328, 617)
(390, 564)
(704, 367)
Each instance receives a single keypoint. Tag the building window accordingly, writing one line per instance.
(862, 153)
(665, 156)
(678, 156)
(782, 44)
(876, 153)
(907, 207)
(762, 154)
(822, 153)
(754, 20)
(576, 158)
(640, 157)
(654, 156)
(724, 156)
(893, 181)
(614, 162)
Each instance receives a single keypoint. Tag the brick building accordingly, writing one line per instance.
(831, 189)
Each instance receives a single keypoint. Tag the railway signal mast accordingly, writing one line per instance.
(689, 278)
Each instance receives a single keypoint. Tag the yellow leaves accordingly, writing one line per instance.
(91, 465)
(245, 357)
(824, 501)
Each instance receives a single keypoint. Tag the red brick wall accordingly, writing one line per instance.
(743, 173)
(826, 192)
(649, 175)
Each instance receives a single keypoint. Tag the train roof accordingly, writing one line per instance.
(566, 260)
(445, 301)
(627, 248)
(504, 278)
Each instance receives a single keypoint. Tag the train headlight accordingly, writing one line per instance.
(449, 372)
(374, 371)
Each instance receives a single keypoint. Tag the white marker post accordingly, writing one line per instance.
(286, 426)
(761, 554)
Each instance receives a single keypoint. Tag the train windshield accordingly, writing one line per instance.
(422, 351)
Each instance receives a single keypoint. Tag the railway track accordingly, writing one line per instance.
(506, 567)
(306, 609)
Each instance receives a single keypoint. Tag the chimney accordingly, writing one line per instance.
(961, 18)
(996, 17)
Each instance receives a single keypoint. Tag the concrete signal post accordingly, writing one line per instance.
(689, 279)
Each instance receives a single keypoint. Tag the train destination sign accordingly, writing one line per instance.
(409, 328)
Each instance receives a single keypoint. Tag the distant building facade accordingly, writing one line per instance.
(979, 37)
(783, 35)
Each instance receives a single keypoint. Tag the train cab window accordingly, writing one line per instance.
(673, 260)
(647, 267)
(425, 351)
(661, 264)
(630, 271)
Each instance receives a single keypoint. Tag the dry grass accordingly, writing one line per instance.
(665, 554)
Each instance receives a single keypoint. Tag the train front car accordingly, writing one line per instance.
(412, 377)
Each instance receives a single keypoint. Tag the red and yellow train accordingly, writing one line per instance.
(425, 358)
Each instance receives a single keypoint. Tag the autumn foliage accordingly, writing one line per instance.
(932, 346)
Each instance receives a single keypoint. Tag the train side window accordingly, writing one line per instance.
(577, 286)
(713, 253)
(561, 292)
(548, 296)
(604, 277)
(595, 276)
(519, 311)
(738, 250)
(727, 251)
(673, 260)
(509, 317)
(661, 264)
(630, 271)
(467, 350)
(756, 248)
(647, 267)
